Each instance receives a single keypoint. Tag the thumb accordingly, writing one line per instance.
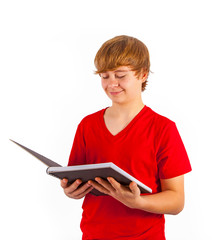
(134, 188)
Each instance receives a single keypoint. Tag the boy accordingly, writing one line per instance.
(135, 138)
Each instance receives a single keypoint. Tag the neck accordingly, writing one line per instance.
(126, 110)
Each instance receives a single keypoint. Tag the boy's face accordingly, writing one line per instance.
(121, 85)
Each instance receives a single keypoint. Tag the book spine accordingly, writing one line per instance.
(47, 170)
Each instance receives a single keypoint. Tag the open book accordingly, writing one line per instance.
(87, 172)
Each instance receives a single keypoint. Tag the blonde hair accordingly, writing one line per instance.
(123, 51)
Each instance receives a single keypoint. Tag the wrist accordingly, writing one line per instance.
(140, 203)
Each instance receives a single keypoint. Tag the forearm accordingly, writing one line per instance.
(166, 202)
(169, 201)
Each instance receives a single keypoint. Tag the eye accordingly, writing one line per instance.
(120, 76)
(104, 76)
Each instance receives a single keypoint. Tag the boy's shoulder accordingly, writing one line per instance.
(92, 116)
(159, 118)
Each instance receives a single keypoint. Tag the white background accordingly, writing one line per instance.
(47, 86)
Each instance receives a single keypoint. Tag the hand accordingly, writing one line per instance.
(128, 195)
(73, 190)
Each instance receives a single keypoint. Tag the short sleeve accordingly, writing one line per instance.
(172, 158)
(78, 153)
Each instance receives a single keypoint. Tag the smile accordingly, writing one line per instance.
(116, 93)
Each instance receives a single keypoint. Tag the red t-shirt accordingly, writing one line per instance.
(149, 148)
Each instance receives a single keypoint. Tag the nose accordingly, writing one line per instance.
(113, 82)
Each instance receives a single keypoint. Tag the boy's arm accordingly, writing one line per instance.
(169, 201)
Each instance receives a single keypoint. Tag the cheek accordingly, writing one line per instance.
(127, 84)
(133, 88)
(102, 84)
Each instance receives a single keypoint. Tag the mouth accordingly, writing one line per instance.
(115, 93)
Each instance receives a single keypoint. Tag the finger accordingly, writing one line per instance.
(107, 185)
(71, 188)
(98, 187)
(80, 190)
(81, 195)
(64, 183)
(116, 185)
(134, 188)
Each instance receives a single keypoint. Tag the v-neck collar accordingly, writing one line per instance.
(123, 131)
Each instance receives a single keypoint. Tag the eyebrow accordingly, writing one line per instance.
(121, 71)
(118, 71)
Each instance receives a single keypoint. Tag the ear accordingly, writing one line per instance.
(144, 77)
